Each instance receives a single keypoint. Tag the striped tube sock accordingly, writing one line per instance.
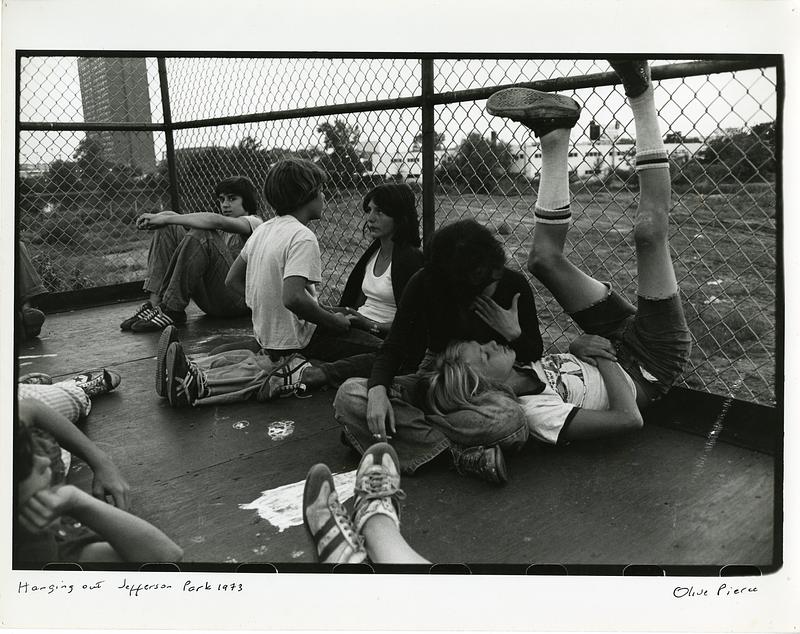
(552, 201)
(650, 150)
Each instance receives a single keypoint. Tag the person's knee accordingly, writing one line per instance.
(351, 398)
(543, 259)
(651, 229)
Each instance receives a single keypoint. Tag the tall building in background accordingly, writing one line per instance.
(115, 89)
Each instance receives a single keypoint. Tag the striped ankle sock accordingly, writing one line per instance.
(650, 150)
(552, 200)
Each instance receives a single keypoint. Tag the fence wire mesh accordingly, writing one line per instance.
(81, 187)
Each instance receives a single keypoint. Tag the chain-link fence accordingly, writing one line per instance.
(103, 139)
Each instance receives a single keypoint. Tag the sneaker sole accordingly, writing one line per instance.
(533, 105)
(378, 450)
(172, 353)
(168, 336)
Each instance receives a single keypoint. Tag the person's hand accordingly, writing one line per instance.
(150, 222)
(589, 348)
(380, 415)
(108, 482)
(340, 323)
(505, 322)
(357, 320)
(45, 507)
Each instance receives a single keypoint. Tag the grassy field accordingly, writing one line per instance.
(723, 247)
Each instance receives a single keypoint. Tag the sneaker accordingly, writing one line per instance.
(185, 381)
(169, 336)
(634, 73)
(145, 311)
(36, 378)
(97, 382)
(487, 463)
(377, 486)
(158, 320)
(284, 379)
(327, 521)
(540, 111)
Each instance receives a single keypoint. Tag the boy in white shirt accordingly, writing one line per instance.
(277, 271)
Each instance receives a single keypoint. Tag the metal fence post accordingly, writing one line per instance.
(172, 168)
(428, 156)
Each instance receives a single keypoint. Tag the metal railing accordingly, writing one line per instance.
(103, 139)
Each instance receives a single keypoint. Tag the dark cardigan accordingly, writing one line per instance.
(406, 260)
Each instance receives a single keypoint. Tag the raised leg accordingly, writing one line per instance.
(651, 230)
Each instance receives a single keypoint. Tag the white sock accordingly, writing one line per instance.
(552, 200)
(650, 150)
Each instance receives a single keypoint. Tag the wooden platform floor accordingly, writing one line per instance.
(212, 477)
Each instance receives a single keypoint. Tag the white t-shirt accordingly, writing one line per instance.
(281, 247)
(569, 384)
(379, 305)
(235, 241)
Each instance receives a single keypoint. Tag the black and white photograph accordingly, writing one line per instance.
(429, 315)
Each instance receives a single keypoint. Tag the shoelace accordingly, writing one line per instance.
(375, 483)
(293, 389)
(193, 375)
(344, 522)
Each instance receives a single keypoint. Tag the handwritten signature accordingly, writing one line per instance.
(723, 590)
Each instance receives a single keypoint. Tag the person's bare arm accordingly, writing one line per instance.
(128, 537)
(200, 220)
(236, 276)
(296, 298)
(108, 480)
(622, 416)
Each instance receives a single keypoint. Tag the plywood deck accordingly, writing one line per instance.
(661, 496)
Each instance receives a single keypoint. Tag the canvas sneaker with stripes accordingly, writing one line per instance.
(186, 383)
(158, 320)
(541, 111)
(377, 486)
(286, 379)
(145, 311)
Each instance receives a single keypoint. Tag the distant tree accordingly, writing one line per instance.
(89, 159)
(673, 137)
(439, 139)
(249, 144)
(341, 161)
(745, 154)
(339, 135)
(479, 164)
(62, 176)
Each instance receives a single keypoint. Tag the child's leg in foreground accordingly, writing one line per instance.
(374, 531)
(656, 274)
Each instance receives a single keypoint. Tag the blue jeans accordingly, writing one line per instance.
(193, 264)
(419, 436)
(237, 374)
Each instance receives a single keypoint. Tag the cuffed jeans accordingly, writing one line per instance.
(193, 264)
(237, 375)
(421, 437)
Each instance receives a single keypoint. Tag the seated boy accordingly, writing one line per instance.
(277, 271)
(190, 256)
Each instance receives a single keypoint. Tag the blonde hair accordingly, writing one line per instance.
(454, 385)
